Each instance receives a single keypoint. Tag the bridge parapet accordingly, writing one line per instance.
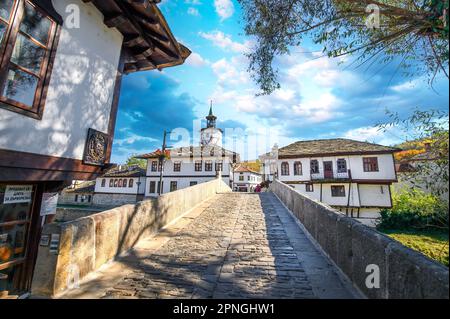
(362, 252)
(81, 246)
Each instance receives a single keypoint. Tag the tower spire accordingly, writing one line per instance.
(211, 118)
(211, 109)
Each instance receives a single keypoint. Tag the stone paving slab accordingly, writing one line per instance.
(235, 245)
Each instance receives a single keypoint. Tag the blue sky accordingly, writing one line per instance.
(319, 97)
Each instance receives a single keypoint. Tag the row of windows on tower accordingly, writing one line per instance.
(370, 164)
(198, 166)
(121, 182)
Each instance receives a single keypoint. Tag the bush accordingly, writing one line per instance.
(414, 209)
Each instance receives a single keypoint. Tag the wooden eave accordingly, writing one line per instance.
(148, 41)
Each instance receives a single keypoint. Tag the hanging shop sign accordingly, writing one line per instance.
(16, 194)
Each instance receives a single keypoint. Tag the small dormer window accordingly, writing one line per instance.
(27, 38)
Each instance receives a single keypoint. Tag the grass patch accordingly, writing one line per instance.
(432, 243)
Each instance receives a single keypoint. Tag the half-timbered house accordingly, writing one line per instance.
(60, 76)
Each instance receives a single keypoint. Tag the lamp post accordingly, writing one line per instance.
(161, 162)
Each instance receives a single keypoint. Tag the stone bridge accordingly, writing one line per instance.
(233, 245)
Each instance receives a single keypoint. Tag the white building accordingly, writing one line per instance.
(119, 186)
(191, 165)
(245, 179)
(62, 62)
(354, 177)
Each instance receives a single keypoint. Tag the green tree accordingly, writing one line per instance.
(432, 173)
(133, 161)
(414, 32)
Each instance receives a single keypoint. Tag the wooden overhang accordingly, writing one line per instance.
(148, 42)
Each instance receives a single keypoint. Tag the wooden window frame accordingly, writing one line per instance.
(315, 164)
(173, 186)
(125, 183)
(309, 188)
(340, 168)
(298, 168)
(219, 166)
(131, 183)
(177, 166)
(338, 194)
(208, 166)
(44, 7)
(152, 187)
(154, 167)
(369, 162)
(285, 169)
(103, 182)
(111, 183)
(198, 166)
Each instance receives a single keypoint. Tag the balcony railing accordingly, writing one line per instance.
(326, 176)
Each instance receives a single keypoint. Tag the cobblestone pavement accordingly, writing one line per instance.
(240, 246)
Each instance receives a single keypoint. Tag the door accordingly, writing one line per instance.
(328, 169)
(16, 210)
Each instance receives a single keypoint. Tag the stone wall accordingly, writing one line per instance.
(114, 199)
(88, 243)
(356, 248)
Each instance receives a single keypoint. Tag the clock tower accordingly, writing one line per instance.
(211, 135)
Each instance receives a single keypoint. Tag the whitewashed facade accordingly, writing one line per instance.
(191, 165)
(354, 177)
(245, 180)
(62, 63)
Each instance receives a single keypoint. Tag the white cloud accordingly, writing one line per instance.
(193, 2)
(406, 86)
(193, 12)
(224, 41)
(224, 8)
(133, 138)
(229, 73)
(196, 60)
(374, 134)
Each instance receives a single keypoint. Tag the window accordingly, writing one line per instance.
(370, 164)
(131, 183)
(338, 191)
(193, 183)
(125, 183)
(382, 189)
(219, 166)
(298, 169)
(315, 167)
(173, 186)
(27, 47)
(309, 188)
(241, 178)
(208, 166)
(76, 198)
(111, 183)
(116, 183)
(152, 187)
(198, 166)
(177, 167)
(341, 165)
(154, 166)
(120, 183)
(103, 182)
(89, 198)
(284, 169)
